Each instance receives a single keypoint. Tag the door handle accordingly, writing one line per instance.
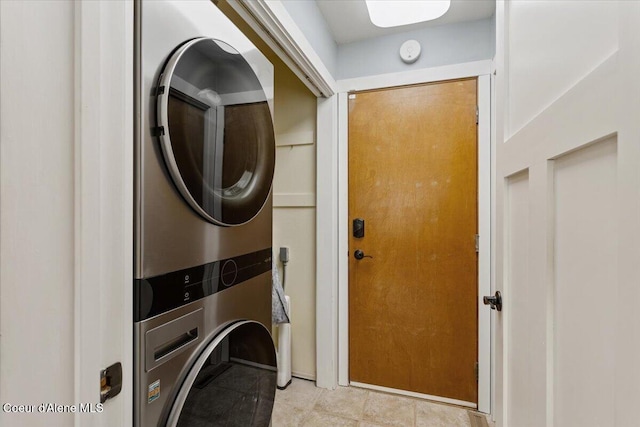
(358, 254)
(494, 301)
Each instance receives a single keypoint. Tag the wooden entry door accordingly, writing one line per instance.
(413, 317)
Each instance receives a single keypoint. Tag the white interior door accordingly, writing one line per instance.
(568, 213)
(66, 209)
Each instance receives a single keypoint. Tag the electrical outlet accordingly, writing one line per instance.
(284, 254)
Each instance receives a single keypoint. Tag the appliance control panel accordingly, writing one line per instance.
(159, 294)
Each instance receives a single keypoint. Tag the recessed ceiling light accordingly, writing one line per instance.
(393, 13)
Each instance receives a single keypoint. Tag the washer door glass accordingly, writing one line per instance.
(232, 383)
(216, 131)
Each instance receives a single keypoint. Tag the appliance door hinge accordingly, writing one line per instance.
(477, 243)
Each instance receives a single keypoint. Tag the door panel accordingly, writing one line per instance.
(413, 179)
(585, 259)
(526, 339)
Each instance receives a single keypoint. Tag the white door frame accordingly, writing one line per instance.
(104, 187)
(482, 70)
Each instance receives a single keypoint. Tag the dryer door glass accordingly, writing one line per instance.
(232, 383)
(216, 131)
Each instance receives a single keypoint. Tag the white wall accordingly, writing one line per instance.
(441, 45)
(311, 22)
(294, 214)
(545, 64)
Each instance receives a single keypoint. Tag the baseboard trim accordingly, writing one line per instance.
(303, 376)
(414, 394)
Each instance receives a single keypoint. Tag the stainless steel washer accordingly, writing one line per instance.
(204, 161)
(208, 363)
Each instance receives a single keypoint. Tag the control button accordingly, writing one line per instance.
(229, 273)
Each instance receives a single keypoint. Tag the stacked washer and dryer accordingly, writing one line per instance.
(205, 155)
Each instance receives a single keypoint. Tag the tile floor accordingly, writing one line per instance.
(302, 404)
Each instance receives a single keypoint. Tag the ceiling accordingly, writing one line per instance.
(349, 21)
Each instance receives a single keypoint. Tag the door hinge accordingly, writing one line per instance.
(477, 243)
(157, 131)
(477, 115)
(476, 370)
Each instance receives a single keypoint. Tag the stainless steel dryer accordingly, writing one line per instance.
(205, 155)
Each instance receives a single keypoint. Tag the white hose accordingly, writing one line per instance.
(284, 349)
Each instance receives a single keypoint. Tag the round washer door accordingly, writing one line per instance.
(216, 131)
(232, 383)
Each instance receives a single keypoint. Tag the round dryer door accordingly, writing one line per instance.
(232, 383)
(216, 131)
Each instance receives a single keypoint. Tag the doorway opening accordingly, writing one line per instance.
(416, 260)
